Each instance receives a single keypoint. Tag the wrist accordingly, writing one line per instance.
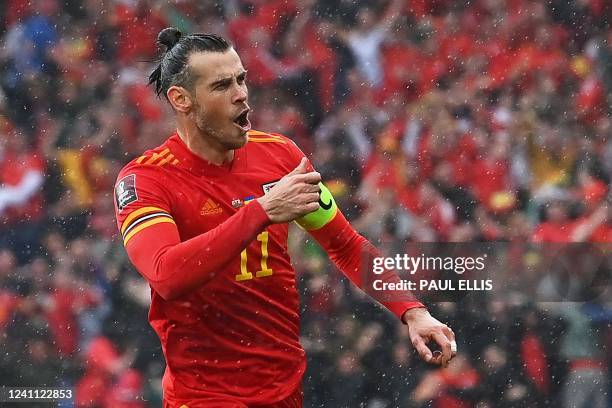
(263, 203)
(413, 314)
(262, 216)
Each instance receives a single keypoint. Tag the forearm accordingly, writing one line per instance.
(174, 268)
(353, 255)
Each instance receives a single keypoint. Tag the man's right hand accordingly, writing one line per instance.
(295, 195)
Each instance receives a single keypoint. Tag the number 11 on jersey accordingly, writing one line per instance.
(265, 271)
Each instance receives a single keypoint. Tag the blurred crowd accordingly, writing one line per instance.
(430, 120)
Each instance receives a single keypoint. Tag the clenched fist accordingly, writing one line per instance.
(295, 195)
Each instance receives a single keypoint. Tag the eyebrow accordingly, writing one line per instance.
(227, 80)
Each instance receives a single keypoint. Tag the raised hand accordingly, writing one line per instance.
(293, 196)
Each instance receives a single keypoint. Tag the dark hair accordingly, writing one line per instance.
(173, 68)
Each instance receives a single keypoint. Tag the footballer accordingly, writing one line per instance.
(203, 218)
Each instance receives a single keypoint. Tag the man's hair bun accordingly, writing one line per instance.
(171, 67)
(169, 37)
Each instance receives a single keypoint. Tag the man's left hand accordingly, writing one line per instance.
(423, 328)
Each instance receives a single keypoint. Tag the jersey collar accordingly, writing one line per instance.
(197, 165)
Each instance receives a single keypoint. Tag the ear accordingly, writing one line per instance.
(180, 98)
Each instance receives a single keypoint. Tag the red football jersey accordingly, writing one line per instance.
(224, 301)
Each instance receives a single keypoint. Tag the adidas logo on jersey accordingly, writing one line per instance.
(210, 208)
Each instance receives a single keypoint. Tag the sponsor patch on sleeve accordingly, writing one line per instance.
(125, 191)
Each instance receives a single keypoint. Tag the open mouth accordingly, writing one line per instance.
(242, 120)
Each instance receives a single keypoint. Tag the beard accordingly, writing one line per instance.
(228, 138)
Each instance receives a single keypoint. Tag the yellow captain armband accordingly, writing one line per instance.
(321, 217)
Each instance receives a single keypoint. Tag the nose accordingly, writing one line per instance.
(241, 94)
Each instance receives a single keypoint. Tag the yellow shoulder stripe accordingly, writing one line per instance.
(266, 140)
(137, 213)
(257, 133)
(162, 158)
(166, 159)
(156, 156)
(147, 224)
